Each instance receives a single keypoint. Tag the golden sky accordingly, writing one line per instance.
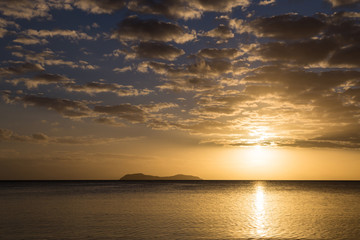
(232, 89)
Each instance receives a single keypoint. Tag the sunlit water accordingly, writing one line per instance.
(180, 210)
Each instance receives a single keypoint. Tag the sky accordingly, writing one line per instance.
(230, 89)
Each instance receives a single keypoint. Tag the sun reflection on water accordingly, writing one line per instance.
(259, 212)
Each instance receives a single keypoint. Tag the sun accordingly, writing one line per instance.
(257, 154)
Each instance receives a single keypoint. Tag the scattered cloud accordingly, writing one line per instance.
(41, 79)
(221, 32)
(134, 29)
(41, 138)
(339, 3)
(98, 87)
(157, 50)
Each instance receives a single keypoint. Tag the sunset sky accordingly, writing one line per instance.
(230, 89)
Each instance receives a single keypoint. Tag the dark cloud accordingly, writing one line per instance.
(199, 69)
(347, 56)
(135, 29)
(133, 113)
(157, 50)
(288, 26)
(125, 111)
(186, 9)
(65, 107)
(301, 52)
(195, 84)
(227, 53)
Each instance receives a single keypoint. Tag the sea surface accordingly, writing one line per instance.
(67, 210)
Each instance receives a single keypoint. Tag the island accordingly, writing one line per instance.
(141, 176)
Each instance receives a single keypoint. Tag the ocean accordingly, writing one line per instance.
(69, 210)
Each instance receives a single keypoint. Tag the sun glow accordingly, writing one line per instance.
(258, 154)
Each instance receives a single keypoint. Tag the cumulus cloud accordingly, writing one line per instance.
(157, 50)
(134, 29)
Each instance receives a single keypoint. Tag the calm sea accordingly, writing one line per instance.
(179, 210)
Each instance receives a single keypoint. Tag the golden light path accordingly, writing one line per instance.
(259, 212)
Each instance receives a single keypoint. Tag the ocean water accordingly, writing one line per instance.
(67, 210)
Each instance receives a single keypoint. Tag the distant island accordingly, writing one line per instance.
(141, 176)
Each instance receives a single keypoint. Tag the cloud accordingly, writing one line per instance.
(41, 79)
(169, 8)
(339, 3)
(215, 53)
(25, 9)
(195, 84)
(222, 32)
(65, 107)
(20, 68)
(157, 50)
(29, 9)
(135, 29)
(109, 121)
(98, 87)
(41, 138)
(287, 26)
(49, 57)
(133, 113)
(4, 24)
(347, 56)
(123, 69)
(301, 52)
(99, 7)
(185, 9)
(201, 68)
(218, 6)
(29, 40)
(266, 2)
(66, 33)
